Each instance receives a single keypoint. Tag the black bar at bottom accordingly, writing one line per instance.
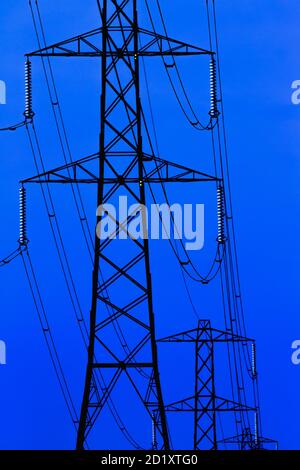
(132, 459)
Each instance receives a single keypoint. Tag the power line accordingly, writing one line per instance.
(43, 319)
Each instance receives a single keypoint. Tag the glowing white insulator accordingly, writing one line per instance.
(23, 217)
(221, 215)
(254, 370)
(256, 429)
(28, 91)
(154, 434)
(214, 112)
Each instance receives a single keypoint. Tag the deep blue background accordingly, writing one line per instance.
(260, 60)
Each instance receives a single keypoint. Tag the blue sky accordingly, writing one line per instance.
(259, 55)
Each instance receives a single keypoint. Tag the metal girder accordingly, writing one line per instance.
(221, 405)
(218, 336)
(248, 441)
(84, 171)
(205, 418)
(89, 45)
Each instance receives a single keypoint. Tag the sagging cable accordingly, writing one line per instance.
(28, 113)
(23, 240)
(10, 258)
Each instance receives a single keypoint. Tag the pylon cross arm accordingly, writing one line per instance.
(220, 405)
(82, 171)
(88, 45)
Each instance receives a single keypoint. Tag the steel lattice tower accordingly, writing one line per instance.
(124, 138)
(122, 167)
(206, 404)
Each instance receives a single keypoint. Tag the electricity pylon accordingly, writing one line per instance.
(206, 404)
(121, 280)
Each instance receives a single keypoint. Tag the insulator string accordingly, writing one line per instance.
(221, 215)
(23, 240)
(254, 369)
(28, 91)
(214, 112)
(256, 428)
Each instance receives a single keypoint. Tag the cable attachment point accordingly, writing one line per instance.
(214, 112)
(221, 215)
(28, 91)
(23, 240)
